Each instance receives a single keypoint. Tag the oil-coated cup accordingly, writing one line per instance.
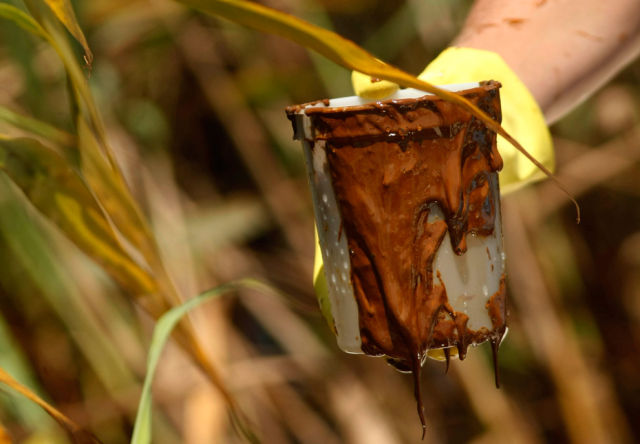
(407, 209)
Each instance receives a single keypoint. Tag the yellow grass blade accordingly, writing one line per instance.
(112, 192)
(37, 127)
(99, 166)
(79, 435)
(59, 193)
(346, 53)
(64, 11)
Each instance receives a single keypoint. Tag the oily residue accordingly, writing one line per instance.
(391, 162)
(514, 21)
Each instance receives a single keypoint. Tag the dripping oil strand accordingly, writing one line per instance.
(416, 366)
(447, 358)
(495, 344)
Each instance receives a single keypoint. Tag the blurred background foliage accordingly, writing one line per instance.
(193, 108)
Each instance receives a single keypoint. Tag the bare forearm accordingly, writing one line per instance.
(561, 49)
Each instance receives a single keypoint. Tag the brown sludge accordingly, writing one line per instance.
(390, 163)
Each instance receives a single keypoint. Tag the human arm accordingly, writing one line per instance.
(562, 50)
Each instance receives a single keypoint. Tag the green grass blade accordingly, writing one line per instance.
(22, 19)
(82, 96)
(161, 332)
(36, 270)
(36, 127)
(59, 193)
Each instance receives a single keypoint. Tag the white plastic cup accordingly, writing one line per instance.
(400, 127)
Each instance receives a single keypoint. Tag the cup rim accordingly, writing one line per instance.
(341, 103)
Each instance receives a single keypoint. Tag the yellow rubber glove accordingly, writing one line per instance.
(521, 115)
